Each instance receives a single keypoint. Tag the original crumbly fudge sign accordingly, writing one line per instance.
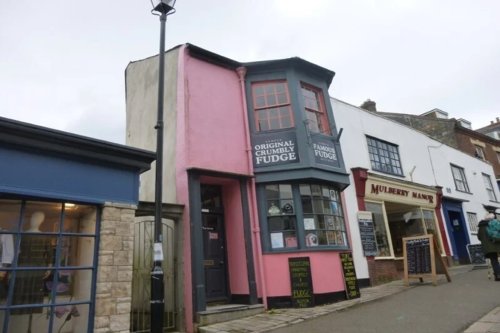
(275, 150)
(325, 152)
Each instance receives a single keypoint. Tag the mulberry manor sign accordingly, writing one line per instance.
(400, 193)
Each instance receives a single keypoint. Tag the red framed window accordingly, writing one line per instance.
(315, 111)
(272, 107)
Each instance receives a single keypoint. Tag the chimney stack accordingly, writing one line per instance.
(369, 105)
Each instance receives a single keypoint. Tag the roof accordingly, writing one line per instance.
(27, 136)
(295, 62)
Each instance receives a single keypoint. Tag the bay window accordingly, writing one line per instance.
(315, 111)
(271, 102)
(303, 216)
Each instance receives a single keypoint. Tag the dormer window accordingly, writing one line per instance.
(272, 107)
(315, 111)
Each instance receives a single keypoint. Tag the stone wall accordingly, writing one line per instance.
(114, 274)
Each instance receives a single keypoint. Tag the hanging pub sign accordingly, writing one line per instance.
(324, 152)
(274, 149)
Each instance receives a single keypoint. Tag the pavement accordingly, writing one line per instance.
(280, 318)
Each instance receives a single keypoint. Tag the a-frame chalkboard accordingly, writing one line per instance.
(422, 259)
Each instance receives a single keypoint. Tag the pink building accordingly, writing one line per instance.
(252, 153)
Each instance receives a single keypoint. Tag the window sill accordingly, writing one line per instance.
(309, 249)
(463, 191)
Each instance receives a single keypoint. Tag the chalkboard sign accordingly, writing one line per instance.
(418, 254)
(351, 282)
(422, 259)
(301, 282)
(476, 254)
(367, 233)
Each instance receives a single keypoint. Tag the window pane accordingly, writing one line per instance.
(316, 190)
(312, 122)
(79, 219)
(263, 126)
(42, 217)
(37, 250)
(380, 230)
(19, 320)
(260, 101)
(74, 285)
(258, 90)
(73, 317)
(29, 288)
(287, 207)
(274, 123)
(272, 192)
(280, 87)
(318, 206)
(282, 98)
(76, 251)
(305, 189)
(269, 88)
(307, 205)
(286, 122)
(271, 100)
(10, 213)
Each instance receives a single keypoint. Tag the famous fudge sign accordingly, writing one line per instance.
(325, 152)
(274, 150)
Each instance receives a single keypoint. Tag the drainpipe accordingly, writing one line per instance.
(241, 71)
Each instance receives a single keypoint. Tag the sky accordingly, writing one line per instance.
(63, 68)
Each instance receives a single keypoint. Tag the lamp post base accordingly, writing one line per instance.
(157, 298)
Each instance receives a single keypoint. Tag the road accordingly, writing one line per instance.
(447, 307)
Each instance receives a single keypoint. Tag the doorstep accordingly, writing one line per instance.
(226, 312)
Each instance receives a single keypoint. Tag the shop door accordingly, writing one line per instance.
(459, 236)
(214, 259)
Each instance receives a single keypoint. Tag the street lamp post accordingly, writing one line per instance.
(161, 8)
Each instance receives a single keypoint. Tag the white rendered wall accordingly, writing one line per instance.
(429, 159)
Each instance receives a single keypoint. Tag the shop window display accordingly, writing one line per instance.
(311, 210)
(381, 236)
(47, 266)
(323, 221)
(281, 216)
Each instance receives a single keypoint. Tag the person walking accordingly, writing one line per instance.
(490, 248)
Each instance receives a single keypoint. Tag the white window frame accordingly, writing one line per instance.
(472, 220)
(489, 187)
(459, 178)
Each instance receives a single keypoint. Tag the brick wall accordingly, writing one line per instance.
(383, 271)
(114, 274)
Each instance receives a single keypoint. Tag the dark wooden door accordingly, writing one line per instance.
(214, 257)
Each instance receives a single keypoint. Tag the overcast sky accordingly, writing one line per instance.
(62, 63)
